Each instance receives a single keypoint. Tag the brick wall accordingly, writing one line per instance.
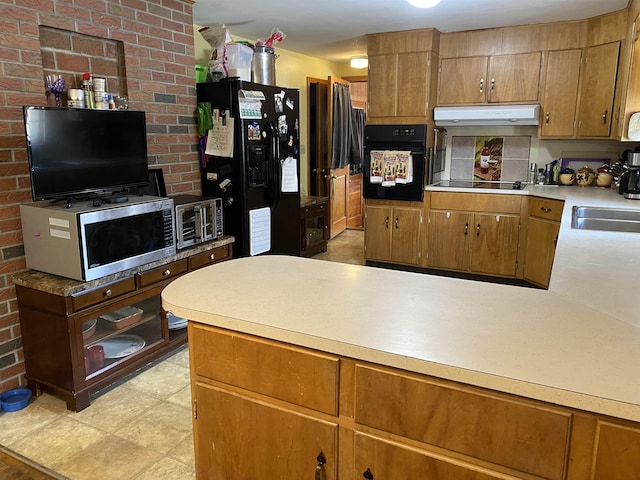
(145, 48)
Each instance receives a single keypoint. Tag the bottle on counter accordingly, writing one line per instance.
(542, 178)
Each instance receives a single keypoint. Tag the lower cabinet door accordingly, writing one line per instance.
(542, 236)
(237, 437)
(448, 234)
(494, 244)
(384, 460)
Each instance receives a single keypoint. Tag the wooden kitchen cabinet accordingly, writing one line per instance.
(392, 232)
(402, 78)
(595, 110)
(263, 418)
(476, 233)
(560, 93)
(264, 408)
(543, 228)
(355, 199)
(489, 79)
(64, 322)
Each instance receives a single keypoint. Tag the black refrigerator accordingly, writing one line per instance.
(259, 182)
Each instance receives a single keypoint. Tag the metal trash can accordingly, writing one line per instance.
(263, 66)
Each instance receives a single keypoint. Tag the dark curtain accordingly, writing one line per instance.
(341, 131)
(357, 136)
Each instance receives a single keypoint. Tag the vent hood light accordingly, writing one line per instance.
(486, 115)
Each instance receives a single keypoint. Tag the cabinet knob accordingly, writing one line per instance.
(545, 209)
(320, 473)
(107, 292)
(478, 230)
(604, 116)
(493, 83)
(368, 475)
(466, 228)
(386, 223)
(547, 117)
(481, 85)
(166, 272)
(396, 223)
(212, 256)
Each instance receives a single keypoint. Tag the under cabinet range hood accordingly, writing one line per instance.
(480, 115)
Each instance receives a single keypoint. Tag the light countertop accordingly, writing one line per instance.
(577, 344)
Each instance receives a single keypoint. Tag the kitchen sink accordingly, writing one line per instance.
(607, 219)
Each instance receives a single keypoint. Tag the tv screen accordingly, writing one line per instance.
(74, 152)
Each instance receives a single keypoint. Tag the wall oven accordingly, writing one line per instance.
(383, 180)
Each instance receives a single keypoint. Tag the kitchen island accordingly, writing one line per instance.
(544, 350)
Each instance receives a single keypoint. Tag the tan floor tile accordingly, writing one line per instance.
(184, 452)
(161, 380)
(115, 408)
(182, 398)
(112, 458)
(167, 469)
(181, 357)
(14, 426)
(58, 441)
(159, 429)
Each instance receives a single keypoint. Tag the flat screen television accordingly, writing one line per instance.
(75, 153)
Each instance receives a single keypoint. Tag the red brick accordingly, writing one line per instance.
(20, 14)
(7, 169)
(12, 371)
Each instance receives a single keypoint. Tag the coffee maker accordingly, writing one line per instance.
(630, 178)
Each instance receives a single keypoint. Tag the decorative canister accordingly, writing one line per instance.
(604, 177)
(585, 176)
(567, 176)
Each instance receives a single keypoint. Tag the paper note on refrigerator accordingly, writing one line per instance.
(289, 175)
(220, 138)
(259, 230)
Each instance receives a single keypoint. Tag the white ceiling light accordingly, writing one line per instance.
(424, 3)
(359, 62)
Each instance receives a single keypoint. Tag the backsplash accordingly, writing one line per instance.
(507, 158)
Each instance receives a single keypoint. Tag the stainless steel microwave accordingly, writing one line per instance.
(198, 219)
(85, 242)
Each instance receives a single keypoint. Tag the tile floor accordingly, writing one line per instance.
(138, 430)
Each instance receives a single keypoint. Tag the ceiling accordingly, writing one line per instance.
(335, 30)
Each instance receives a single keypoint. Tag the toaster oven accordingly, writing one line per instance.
(198, 219)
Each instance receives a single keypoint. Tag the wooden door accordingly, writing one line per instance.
(337, 179)
(383, 85)
(514, 78)
(338, 192)
(448, 234)
(355, 207)
(405, 235)
(542, 236)
(413, 84)
(386, 460)
(377, 233)
(494, 244)
(318, 91)
(598, 88)
(462, 81)
(237, 437)
(560, 93)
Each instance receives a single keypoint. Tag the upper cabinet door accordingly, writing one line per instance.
(598, 89)
(560, 93)
(462, 81)
(514, 78)
(413, 84)
(383, 85)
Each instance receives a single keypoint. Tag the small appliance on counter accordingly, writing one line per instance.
(630, 178)
(198, 219)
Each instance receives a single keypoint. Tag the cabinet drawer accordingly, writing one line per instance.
(312, 209)
(476, 202)
(209, 257)
(523, 436)
(546, 208)
(165, 272)
(277, 370)
(99, 294)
